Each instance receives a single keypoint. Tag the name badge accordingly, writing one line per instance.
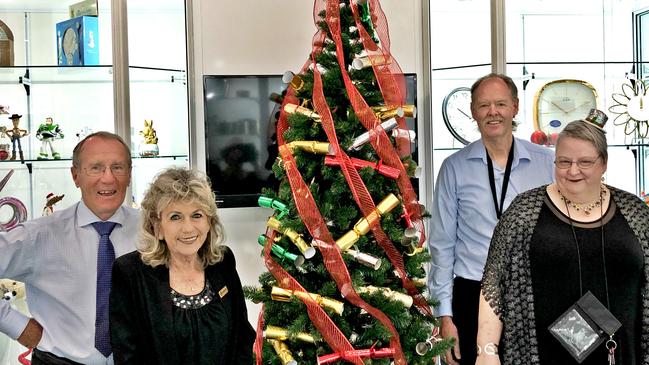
(223, 292)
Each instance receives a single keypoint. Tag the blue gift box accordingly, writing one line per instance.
(77, 42)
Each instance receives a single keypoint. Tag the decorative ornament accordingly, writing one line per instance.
(15, 134)
(405, 299)
(321, 148)
(364, 138)
(297, 109)
(296, 238)
(294, 80)
(360, 63)
(149, 145)
(19, 210)
(370, 353)
(365, 259)
(281, 252)
(285, 295)
(539, 137)
(364, 224)
(52, 199)
(283, 352)
(384, 112)
(266, 202)
(422, 348)
(48, 132)
(632, 107)
(82, 133)
(279, 333)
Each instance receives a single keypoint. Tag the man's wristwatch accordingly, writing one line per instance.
(489, 349)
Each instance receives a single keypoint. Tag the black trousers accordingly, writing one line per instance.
(466, 301)
(45, 358)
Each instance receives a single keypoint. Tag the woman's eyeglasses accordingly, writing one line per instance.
(563, 163)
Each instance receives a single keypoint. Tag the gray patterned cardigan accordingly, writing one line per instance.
(507, 281)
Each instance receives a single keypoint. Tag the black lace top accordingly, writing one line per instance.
(507, 281)
(555, 279)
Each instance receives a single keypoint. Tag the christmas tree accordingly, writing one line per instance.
(345, 245)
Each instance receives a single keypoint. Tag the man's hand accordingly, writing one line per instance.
(448, 329)
(31, 335)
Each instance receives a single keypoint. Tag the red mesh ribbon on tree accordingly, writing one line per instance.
(327, 328)
(383, 147)
(259, 338)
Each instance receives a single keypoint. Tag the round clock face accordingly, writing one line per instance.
(560, 102)
(638, 107)
(70, 45)
(456, 111)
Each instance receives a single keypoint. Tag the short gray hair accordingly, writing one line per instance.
(585, 131)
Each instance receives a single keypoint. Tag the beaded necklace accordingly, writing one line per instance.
(584, 207)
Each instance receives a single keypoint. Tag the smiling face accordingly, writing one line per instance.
(576, 181)
(184, 227)
(494, 109)
(103, 194)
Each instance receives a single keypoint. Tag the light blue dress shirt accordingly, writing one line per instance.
(463, 212)
(56, 257)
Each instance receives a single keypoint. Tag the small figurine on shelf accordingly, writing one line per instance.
(82, 133)
(4, 109)
(49, 204)
(46, 133)
(4, 147)
(149, 145)
(15, 134)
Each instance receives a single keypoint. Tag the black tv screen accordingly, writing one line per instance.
(239, 134)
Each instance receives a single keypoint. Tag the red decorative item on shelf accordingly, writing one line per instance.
(552, 139)
(539, 137)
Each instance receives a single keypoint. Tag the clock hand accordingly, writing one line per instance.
(577, 107)
(555, 104)
(465, 114)
(560, 108)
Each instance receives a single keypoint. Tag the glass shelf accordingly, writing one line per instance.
(69, 160)
(86, 74)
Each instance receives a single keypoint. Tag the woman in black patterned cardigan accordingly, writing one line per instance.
(553, 245)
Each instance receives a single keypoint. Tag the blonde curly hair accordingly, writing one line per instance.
(176, 185)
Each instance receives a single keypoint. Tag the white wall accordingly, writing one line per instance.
(252, 37)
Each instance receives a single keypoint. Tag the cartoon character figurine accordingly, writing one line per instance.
(82, 133)
(46, 133)
(149, 146)
(15, 134)
(52, 199)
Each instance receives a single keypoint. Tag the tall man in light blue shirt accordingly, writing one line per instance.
(56, 257)
(474, 186)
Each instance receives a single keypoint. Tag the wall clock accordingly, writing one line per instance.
(456, 112)
(632, 108)
(559, 102)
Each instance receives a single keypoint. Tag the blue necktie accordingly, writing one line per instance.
(105, 258)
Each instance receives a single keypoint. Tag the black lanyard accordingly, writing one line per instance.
(492, 180)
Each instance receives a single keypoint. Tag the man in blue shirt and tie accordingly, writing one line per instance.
(474, 186)
(64, 260)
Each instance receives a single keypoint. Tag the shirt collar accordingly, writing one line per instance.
(476, 150)
(86, 217)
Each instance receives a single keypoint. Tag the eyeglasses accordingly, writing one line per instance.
(99, 170)
(582, 164)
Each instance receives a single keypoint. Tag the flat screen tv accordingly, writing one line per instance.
(239, 134)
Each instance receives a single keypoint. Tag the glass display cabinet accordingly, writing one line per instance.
(140, 76)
